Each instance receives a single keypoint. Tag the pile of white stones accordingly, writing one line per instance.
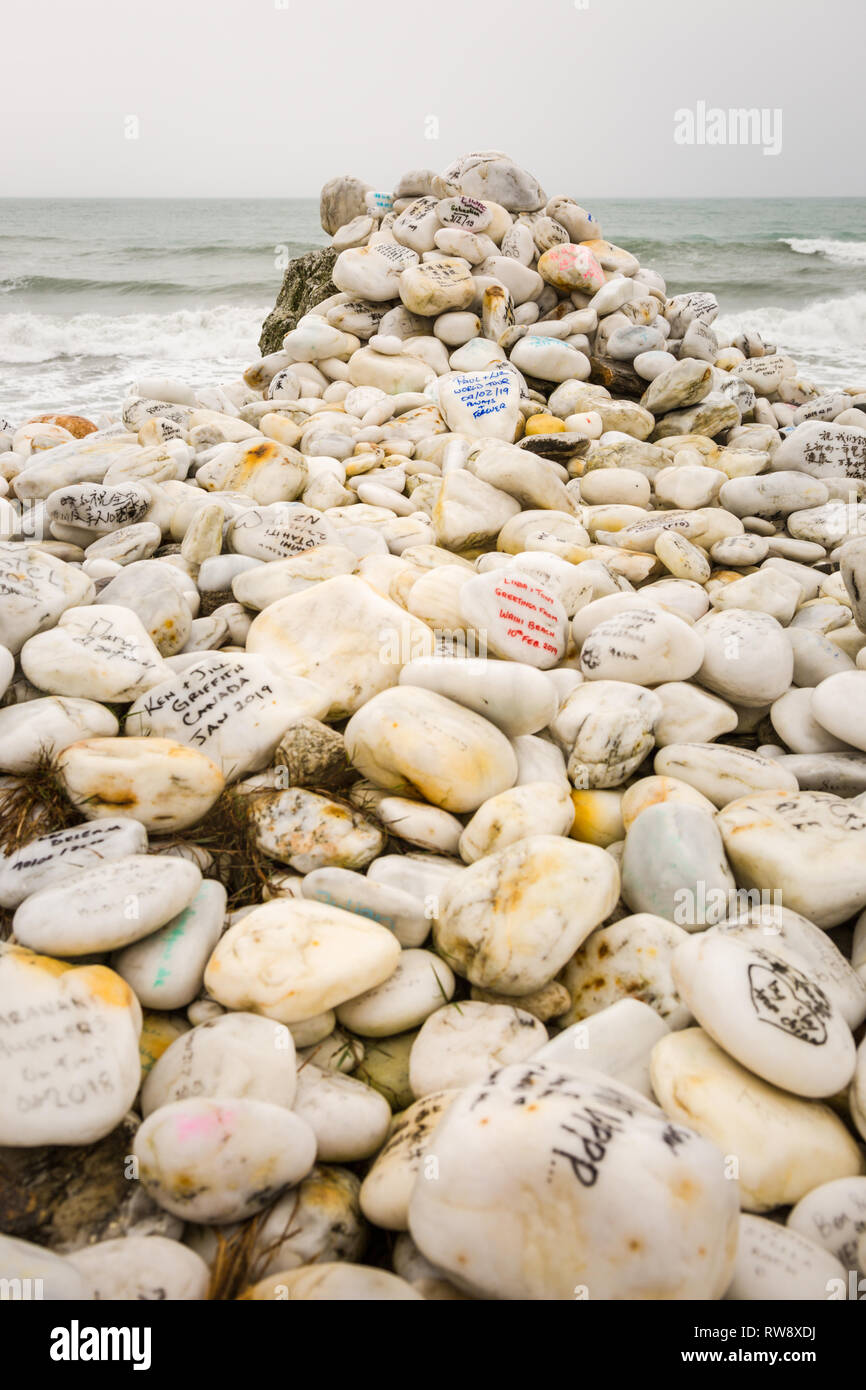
(548, 706)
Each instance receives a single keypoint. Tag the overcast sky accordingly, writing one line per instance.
(257, 98)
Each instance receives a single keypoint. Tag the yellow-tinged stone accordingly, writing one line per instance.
(597, 817)
(157, 781)
(544, 424)
(416, 743)
(158, 1032)
(784, 1145)
(653, 791)
(292, 959)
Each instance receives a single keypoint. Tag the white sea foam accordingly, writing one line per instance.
(829, 334)
(225, 332)
(841, 252)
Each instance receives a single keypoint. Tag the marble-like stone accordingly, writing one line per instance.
(778, 1263)
(54, 858)
(690, 714)
(350, 1120)
(533, 808)
(510, 921)
(747, 657)
(416, 742)
(482, 404)
(163, 784)
(373, 272)
(166, 969)
(292, 959)
(533, 1134)
(419, 986)
(342, 636)
(515, 696)
(768, 1014)
(723, 772)
(42, 1274)
(437, 287)
(606, 728)
(674, 866)
(279, 531)
(462, 1043)
(238, 1055)
(232, 708)
(833, 1216)
(617, 1041)
(469, 512)
(569, 267)
(786, 933)
(392, 907)
(823, 450)
(808, 845)
(630, 959)
(679, 386)
(308, 831)
(783, 1146)
(41, 728)
(222, 1159)
(104, 908)
(143, 1268)
(265, 584)
(643, 646)
(655, 791)
(70, 1043)
(838, 704)
(97, 653)
(37, 589)
(494, 177)
(387, 1188)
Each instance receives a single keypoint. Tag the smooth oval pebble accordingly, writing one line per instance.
(674, 866)
(292, 959)
(462, 1043)
(237, 1054)
(643, 646)
(775, 1262)
(839, 706)
(810, 846)
(629, 959)
(143, 1268)
(415, 742)
(107, 907)
(349, 1119)
(54, 1276)
(65, 854)
(223, 1159)
(420, 984)
(767, 1014)
(510, 921)
(833, 1215)
(533, 1134)
(514, 696)
(166, 969)
(71, 1064)
(164, 784)
(784, 1146)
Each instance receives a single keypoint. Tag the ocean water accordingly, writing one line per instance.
(95, 293)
